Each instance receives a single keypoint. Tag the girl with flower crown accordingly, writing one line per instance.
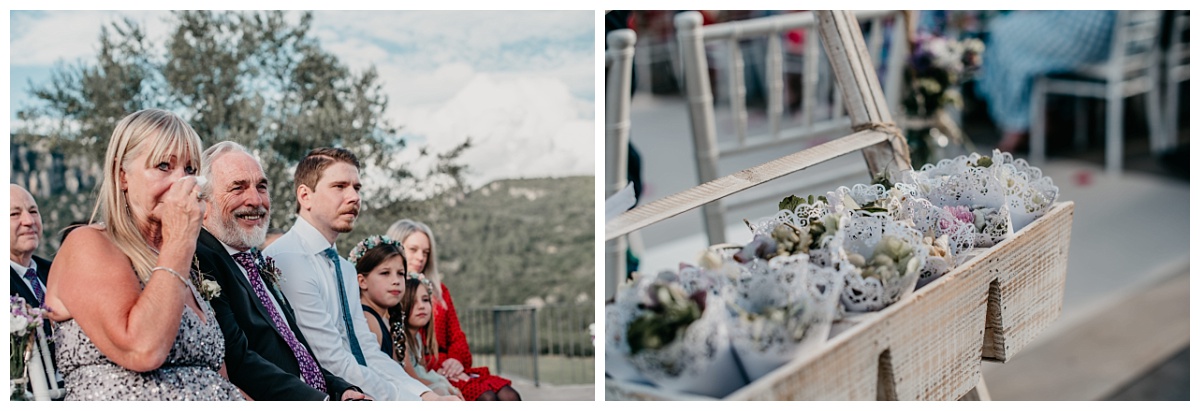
(451, 356)
(417, 303)
(383, 283)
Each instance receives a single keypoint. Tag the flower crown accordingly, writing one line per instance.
(420, 276)
(368, 243)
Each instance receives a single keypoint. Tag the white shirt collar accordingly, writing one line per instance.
(20, 269)
(230, 250)
(311, 239)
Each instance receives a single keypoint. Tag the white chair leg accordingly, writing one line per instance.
(1114, 138)
(1037, 123)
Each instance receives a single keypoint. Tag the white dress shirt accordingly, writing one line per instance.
(309, 283)
(20, 269)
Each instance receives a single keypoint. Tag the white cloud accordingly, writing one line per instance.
(415, 88)
(42, 38)
(513, 81)
(520, 127)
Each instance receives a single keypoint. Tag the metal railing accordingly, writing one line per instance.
(551, 343)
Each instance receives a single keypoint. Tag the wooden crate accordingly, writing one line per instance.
(928, 346)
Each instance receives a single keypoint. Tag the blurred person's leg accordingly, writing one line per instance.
(1025, 45)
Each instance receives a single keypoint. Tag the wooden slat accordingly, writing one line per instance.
(860, 87)
(683, 201)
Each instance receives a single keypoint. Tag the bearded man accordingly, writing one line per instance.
(266, 355)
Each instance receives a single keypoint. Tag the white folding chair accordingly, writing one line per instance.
(1132, 69)
(1178, 65)
(618, 65)
(821, 115)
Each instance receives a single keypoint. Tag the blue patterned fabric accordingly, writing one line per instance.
(1024, 45)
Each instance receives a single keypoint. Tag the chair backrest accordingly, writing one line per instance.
(821, 113)
(1135, 46)
(618, 67)
(863, 99)
(1178, 53)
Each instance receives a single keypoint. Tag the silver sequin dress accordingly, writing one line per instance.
(189, 373)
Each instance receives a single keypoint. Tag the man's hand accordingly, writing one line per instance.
(431, 396)
(351, 395)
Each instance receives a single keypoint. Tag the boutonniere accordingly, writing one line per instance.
(208, 289)
(269, 271)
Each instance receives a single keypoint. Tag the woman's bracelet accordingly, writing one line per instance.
(176, 273)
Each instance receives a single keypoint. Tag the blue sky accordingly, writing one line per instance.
(521, 83)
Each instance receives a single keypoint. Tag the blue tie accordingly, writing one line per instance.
(337, 267)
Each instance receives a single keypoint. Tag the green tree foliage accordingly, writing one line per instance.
(253, 78)
(508, 242)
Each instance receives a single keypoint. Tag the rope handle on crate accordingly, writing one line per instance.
(887, 128)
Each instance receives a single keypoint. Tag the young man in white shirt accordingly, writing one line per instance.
(323, 287)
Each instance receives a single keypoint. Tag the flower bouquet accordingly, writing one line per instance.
(1028, 194)
(970, 182)
(946, 237)
(23, 324)
(783, 308)
(802, 226)
(936, 69)
(886, 255)
(617, 316)
(677, 338)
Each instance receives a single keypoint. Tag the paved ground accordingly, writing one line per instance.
(546, 392)
(1161, 383)
(1115, 350)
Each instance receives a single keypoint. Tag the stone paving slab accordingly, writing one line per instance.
(1098, 355)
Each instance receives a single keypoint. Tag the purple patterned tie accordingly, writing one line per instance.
(308, 366)
(31, 276)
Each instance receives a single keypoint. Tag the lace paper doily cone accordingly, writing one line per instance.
(617, 317)
(860, 234)
(701, 362)
(791, 281)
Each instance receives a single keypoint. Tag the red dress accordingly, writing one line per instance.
(452, 343)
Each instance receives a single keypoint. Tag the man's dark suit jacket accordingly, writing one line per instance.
(258, 359)
(16, 285)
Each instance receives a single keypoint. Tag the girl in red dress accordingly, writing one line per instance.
(453, 356)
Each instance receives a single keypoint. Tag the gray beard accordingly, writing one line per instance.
(228, 231)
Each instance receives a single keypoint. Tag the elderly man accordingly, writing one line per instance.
(266, 355)
(27, 271)
(324, 286)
